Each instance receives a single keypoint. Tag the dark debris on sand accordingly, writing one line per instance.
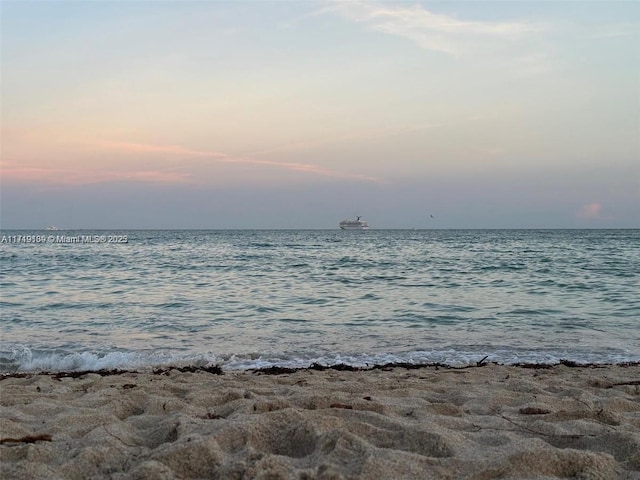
(275, 370)
(214, 370)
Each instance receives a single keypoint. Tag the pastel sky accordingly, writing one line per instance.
(298, 114)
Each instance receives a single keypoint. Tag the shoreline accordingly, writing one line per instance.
(480, 421)
(341, 367)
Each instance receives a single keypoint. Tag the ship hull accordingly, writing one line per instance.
(354, 227)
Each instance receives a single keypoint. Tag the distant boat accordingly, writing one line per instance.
(356, 224)
(52, 227)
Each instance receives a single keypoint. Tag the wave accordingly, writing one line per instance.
(24, 359)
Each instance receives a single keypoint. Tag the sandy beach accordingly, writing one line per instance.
(481, 422)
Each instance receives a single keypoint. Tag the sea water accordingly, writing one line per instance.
(78, 300)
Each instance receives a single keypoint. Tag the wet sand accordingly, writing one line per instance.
(481, 422)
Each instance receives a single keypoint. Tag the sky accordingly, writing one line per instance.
(299, 114)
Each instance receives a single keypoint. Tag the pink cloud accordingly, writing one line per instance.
(130, 147)
(148, 176)
(71, 171)
(220, 157)
(13, 171)
(65, 176)
(590, 211)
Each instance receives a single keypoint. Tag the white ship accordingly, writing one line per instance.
(356, 224)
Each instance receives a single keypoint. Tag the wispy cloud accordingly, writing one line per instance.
(163, 163)
(141, 162)
(614, 31)
(133, 147)
(66, 176)
(431, 31)
(365, 134)
(219, 157)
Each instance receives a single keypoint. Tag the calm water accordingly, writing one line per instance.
(247, 299)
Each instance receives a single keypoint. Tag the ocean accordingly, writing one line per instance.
(88, 300)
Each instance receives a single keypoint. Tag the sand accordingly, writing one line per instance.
(483, 422)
